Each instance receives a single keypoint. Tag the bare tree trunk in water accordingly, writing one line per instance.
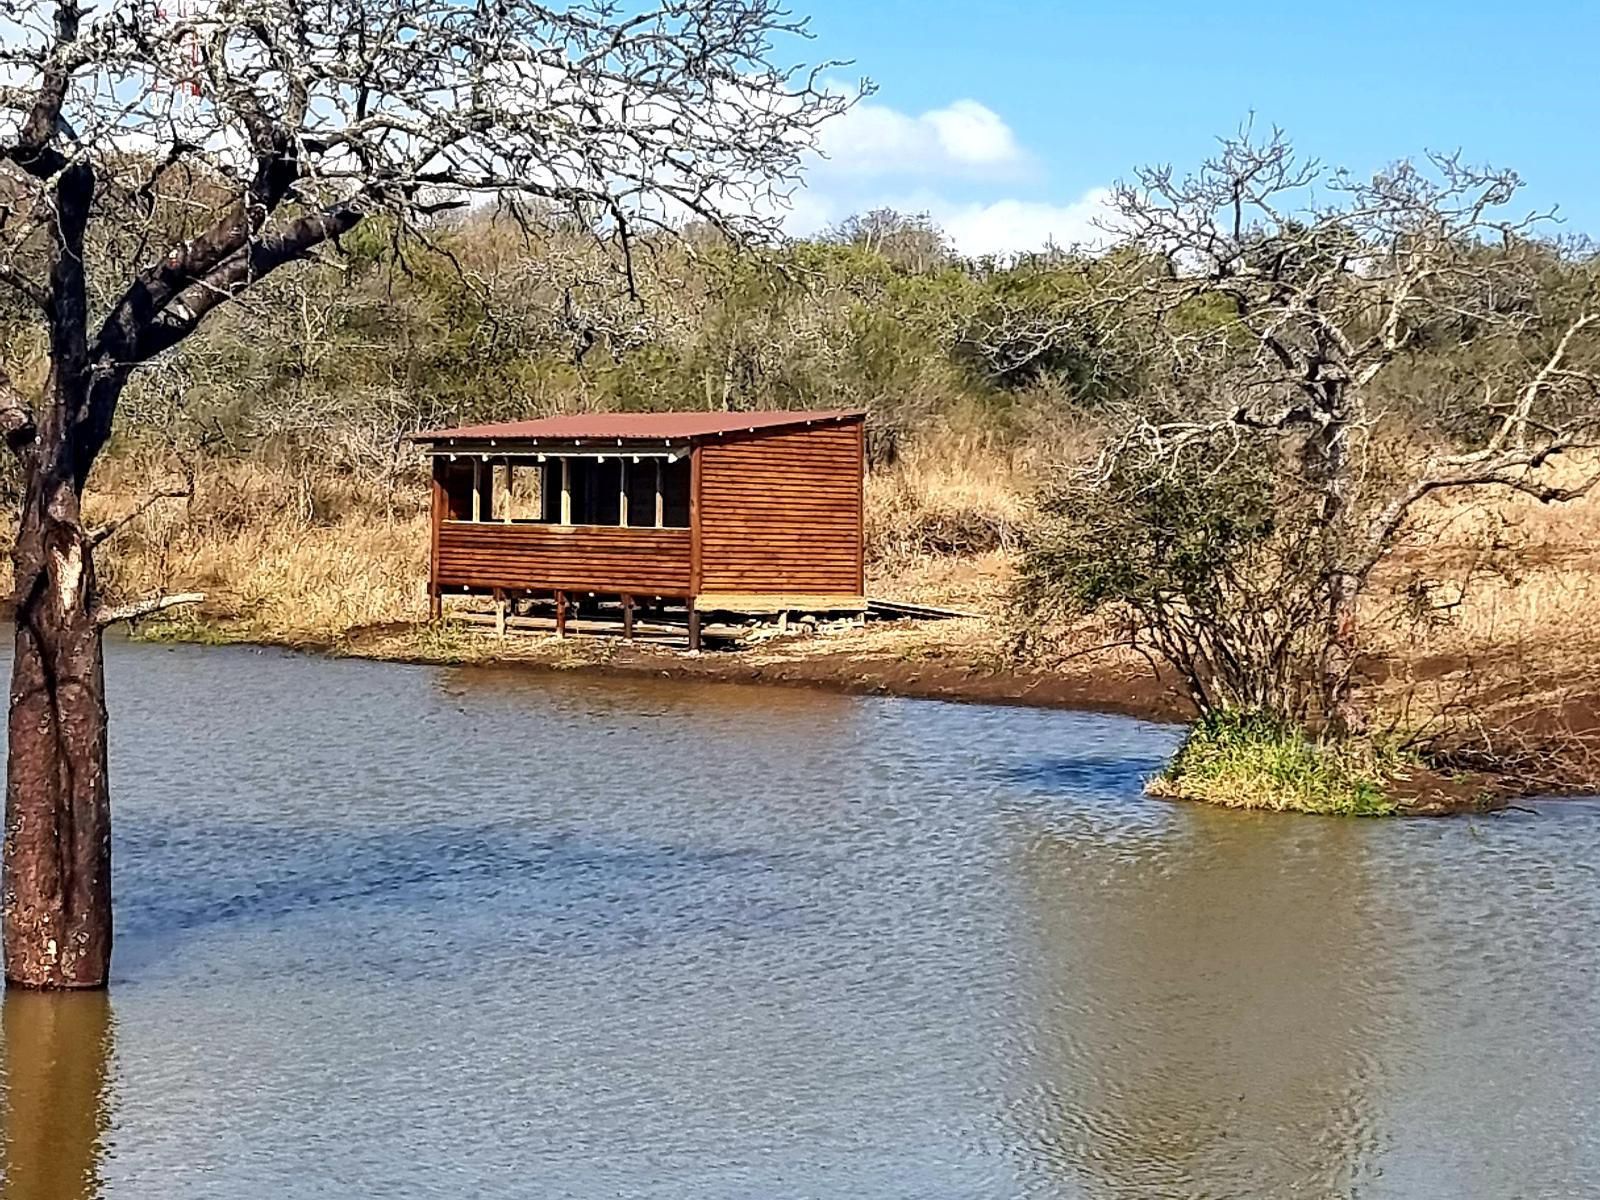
(1329, 453)
(1325, 458)
(57, 903)
(57, 921)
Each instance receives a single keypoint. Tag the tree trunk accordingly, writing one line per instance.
(1340, 711)
(58, 817)
(1328, 463)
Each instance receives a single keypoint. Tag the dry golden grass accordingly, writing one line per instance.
(951, 496)
(280, 553)
(1486, 624)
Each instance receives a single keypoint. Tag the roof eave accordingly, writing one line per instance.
(482, 433)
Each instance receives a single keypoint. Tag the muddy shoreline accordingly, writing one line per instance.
(835, 666)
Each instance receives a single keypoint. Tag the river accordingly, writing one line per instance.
(414, 932)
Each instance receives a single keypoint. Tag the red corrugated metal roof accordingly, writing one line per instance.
(636, 426)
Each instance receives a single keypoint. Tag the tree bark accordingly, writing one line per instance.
(1329, 463)
(1342, 714)
(1326, 458)
(57, 919)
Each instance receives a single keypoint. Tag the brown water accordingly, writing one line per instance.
(404, 932)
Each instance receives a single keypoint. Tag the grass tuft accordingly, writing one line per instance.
(446, 642)
(1254, 760)
(947, 498)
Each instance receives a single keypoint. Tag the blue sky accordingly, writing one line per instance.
(1002, 119)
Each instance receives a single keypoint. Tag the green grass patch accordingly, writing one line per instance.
(445, 641)
(1253, 760)
(185, 625)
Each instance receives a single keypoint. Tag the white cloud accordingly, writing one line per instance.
(1001, 227)
(963, 138)
(972, 134)
(961, 164)
(1008, 226)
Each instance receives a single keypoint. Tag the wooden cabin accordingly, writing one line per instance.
(719, 512)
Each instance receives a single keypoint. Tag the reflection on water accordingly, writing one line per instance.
(1216, 1017)
(57, 1051)
(428, 933)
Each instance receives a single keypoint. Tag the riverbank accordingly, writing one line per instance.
(1482, 646)
(956, 660)
(946, 660)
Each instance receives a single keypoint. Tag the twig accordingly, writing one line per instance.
(115, 527)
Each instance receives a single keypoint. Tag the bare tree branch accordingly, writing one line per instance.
(108, 531)
(144, 608)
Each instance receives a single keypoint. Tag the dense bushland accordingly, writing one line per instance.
(483, 322)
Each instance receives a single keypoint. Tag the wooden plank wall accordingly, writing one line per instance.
(581, 558)
(782, 512)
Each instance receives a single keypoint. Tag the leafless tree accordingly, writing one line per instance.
(153, 169)
(1281, 305)
(911, 241)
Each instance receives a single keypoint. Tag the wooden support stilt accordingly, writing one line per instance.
(627, 618)
(561, 614)
(435, 604)
(694, 629)
(499, 614)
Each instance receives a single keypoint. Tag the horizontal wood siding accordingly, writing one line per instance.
(568, 558)
(782, 512)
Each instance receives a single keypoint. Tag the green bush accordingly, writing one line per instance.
(1210, 558)
(1254, 760)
